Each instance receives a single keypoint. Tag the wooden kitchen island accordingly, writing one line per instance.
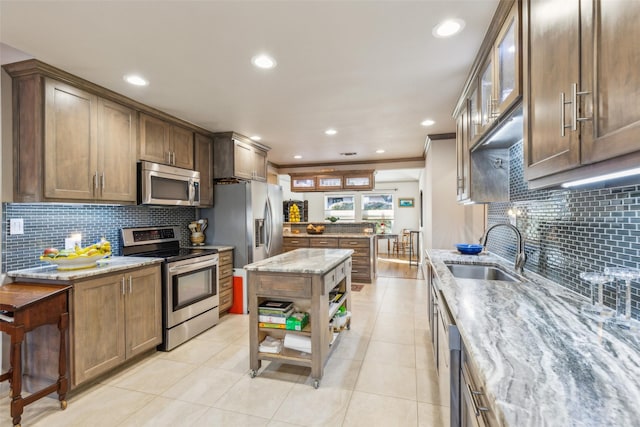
(305, 277)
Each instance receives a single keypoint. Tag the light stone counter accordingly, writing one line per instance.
(105, 266)
(543, 363)
(331, 235)
(310, 261)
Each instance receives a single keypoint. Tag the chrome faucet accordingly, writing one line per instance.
(521, 256)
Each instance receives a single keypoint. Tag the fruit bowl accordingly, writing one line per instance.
(76, 263)
(469, 248)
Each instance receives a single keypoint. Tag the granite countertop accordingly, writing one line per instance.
(105, 266)
(331, 235)
(310, 261)
(543, 363)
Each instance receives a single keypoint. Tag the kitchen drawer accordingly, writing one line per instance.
(283, 286)
(318, 242)
(355, 243)
(296, 242)
(225, 257)
(226, 298)
(361, 253)
(332, 278)
(361, 275)
(226, 284)
(225, 271)
(358, 262)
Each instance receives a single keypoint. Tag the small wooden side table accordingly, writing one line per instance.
(24, 308)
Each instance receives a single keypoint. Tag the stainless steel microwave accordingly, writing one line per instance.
(167, 185)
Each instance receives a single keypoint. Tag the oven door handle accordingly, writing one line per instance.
(194, 266)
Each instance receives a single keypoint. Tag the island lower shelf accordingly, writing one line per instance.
(321, 292)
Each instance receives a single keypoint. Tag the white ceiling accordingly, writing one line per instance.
(370, 69)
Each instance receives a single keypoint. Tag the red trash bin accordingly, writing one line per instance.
(238, 306)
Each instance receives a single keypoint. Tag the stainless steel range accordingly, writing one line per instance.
(189, 281)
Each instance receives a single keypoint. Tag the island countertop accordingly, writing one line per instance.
(302, 261)
(542, 361)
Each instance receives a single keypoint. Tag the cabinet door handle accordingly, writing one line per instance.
(122, 282)
(95, 180)
(563, 126)
(574, 107)
(103, 181)
(130, 285)
(473, 394)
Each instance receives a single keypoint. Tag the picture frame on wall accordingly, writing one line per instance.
(406, 202)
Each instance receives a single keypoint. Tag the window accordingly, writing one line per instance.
(342, 207)
(378, 208)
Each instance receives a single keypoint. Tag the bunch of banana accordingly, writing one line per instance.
(294, 213)
(103, 247)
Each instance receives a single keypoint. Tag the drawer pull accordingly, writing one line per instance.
(477, 409)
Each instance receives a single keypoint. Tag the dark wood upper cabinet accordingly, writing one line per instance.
(76, 141)
(359, 180)
(164, 142)
(238, 157)
(582, 89)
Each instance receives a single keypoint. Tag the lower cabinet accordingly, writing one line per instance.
(363, 252)
(114, 317)
(461, 391)
(225, 280)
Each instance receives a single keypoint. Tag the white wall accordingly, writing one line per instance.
(446, 221)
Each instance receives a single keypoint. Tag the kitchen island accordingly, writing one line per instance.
(538, 359)
(316, 281)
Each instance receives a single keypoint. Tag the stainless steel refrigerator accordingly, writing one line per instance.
(248, 216)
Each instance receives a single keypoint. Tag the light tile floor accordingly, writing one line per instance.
(381, 374)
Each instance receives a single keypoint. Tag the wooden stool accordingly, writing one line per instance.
(24, 308)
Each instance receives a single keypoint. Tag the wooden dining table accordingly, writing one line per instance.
(388, 237)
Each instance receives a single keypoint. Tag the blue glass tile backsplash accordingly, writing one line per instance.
(570, 231)
(47, 225)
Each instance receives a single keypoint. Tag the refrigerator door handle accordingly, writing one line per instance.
(268, 218)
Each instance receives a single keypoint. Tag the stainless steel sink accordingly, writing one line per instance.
(480, 272)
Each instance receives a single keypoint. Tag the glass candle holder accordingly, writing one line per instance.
(597, 282)
(623, 292)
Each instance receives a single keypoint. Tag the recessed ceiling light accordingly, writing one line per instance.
(427, 122)
(263, 61)
(380, 151)
(330, 131)
(255, 137)
(135, 80)
(448, 28)
(297, 156)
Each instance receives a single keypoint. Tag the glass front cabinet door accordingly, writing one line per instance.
(303, 183)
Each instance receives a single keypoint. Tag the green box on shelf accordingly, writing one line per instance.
(297, 321)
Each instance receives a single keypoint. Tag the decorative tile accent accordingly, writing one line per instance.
(48, 224)
(570, 231)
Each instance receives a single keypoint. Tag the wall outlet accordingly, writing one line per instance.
(16, 226)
